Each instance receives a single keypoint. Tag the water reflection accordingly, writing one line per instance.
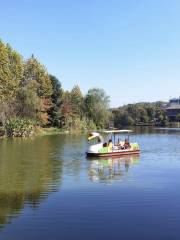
(110, 169)
(96, 199)
(154, 130)
(28, 173)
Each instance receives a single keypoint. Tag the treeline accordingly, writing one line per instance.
(30, 96)
(140, 114)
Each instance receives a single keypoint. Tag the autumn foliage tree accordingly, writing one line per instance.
(36, 74)
(11, 72)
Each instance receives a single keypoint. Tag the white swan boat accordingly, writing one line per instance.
(103, 149)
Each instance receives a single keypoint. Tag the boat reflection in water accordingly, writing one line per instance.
(110, 169)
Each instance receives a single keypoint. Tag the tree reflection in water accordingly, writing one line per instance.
(29, 171)
(109, 169)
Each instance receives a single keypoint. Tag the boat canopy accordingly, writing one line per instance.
(118, 131)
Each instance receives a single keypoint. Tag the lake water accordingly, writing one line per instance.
(50, 190)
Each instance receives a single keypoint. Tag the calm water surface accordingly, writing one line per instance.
(49, 190)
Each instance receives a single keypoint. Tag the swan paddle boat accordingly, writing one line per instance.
(113, 148)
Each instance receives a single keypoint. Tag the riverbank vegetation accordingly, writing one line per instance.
(30, 97)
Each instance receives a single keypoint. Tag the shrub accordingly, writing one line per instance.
(2, 131)
(79, 124)
(19, 127)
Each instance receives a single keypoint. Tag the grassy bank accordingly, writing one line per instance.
(49, 131)
(38, 131)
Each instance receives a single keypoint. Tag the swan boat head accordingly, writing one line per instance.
(93, 135)
(95, 148)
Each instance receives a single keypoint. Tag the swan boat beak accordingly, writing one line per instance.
(91, 137)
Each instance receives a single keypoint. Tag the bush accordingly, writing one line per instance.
(19, 127)
(2, 131)
(91, 125)
(79, 124)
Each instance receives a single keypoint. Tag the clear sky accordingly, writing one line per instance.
(131, 48)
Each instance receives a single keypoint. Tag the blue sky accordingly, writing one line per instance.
(131, 48)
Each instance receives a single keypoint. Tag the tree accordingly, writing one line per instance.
(34, 71)
(36, 74)
(56, 89)
(96, 106)
(66, 111)
(77, 101)
(56, 98)
(15, 66)
(11, 70)
(27, 103)
(160, 116)
(122, 118)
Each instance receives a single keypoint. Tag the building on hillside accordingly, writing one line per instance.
(173, 109)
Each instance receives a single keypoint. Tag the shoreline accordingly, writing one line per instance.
(48, 131)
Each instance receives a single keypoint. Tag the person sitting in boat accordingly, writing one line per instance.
(105, 144)
(119, 144)
(110, 145)
(126, 144)
(99, 140)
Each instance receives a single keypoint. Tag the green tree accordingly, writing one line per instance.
(34, 71)
(77, 101)
(96, 106)
(11, 70)
(27, 102)
(36, 74)
(56, 98)
(66, 112)
(122, 118)
(16, 67)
